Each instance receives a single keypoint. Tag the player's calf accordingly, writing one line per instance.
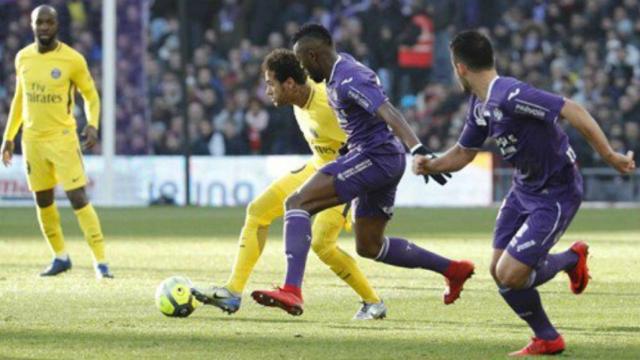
(367, 250)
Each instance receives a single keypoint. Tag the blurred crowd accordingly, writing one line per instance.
(587, 50)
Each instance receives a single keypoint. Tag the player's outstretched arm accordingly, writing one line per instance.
(398, 124)
(453, 160)
(401, 129)
(580, 119)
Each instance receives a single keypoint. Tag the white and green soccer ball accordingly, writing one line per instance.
(173, 297)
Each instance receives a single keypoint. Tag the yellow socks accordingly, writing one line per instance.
(252, 240)
(49, 220)
(326, 229)
(90, 225)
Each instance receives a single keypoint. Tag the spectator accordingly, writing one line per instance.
(257, 120)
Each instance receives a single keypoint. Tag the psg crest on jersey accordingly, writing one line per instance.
(55, 73)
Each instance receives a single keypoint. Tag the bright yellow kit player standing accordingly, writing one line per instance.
(48, 72)
(287, 84)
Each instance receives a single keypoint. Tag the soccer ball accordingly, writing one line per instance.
(173, 297)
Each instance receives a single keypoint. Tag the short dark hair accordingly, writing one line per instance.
(315, 31)
(473, 49)
(284, 65)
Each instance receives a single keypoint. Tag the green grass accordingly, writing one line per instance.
(74, 316)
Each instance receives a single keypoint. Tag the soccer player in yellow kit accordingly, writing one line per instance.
(287, 84)
(47, 75)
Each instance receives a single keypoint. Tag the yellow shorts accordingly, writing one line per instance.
(54, 161)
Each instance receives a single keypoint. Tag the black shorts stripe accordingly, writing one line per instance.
(347, 207)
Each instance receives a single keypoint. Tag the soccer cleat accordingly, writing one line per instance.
(219, 297)
(376, 311)
(57, 266)
(579, 275)
(286, 298)
(102, 271)
(541, 347)
(455, 277)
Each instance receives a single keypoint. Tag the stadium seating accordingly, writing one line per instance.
(588, 51)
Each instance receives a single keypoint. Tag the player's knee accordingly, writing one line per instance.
(44, 198)
(78, 199)
(494, 273)
(79, 202)
(294, 201)
(367, 250)
(254, 210)
(44, 202)
(317, 247)
(324, 234)
(509, 279)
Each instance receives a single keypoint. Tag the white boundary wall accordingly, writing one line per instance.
(234, 181)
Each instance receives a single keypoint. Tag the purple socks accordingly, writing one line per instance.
(400, 252)
(552, 265)
(297, 240)
(526, 303)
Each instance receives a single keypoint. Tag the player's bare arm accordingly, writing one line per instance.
(580, 119)
(398, 124)
(453, 160)
(401, 129)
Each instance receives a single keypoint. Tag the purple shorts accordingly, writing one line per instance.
(368, 180)
(528, 225)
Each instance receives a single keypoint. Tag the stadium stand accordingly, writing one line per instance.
(586, 50)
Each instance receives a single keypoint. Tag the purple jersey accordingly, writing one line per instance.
(523, 122)
(355, 95)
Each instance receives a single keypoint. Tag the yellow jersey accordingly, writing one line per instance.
(319, 124)
(45, 91)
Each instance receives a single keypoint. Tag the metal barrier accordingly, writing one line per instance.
(600, 184)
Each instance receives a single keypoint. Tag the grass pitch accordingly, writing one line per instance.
(74, 316)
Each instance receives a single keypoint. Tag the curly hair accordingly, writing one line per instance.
(284, 65)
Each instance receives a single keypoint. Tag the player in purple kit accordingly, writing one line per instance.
(547, 187)
(368, 174)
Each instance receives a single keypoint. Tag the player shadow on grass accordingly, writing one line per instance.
(601, 330)
(493, 290)
(624, 329)
(306, 343)
(232, 319)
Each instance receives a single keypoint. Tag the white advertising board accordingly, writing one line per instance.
(234, 181)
